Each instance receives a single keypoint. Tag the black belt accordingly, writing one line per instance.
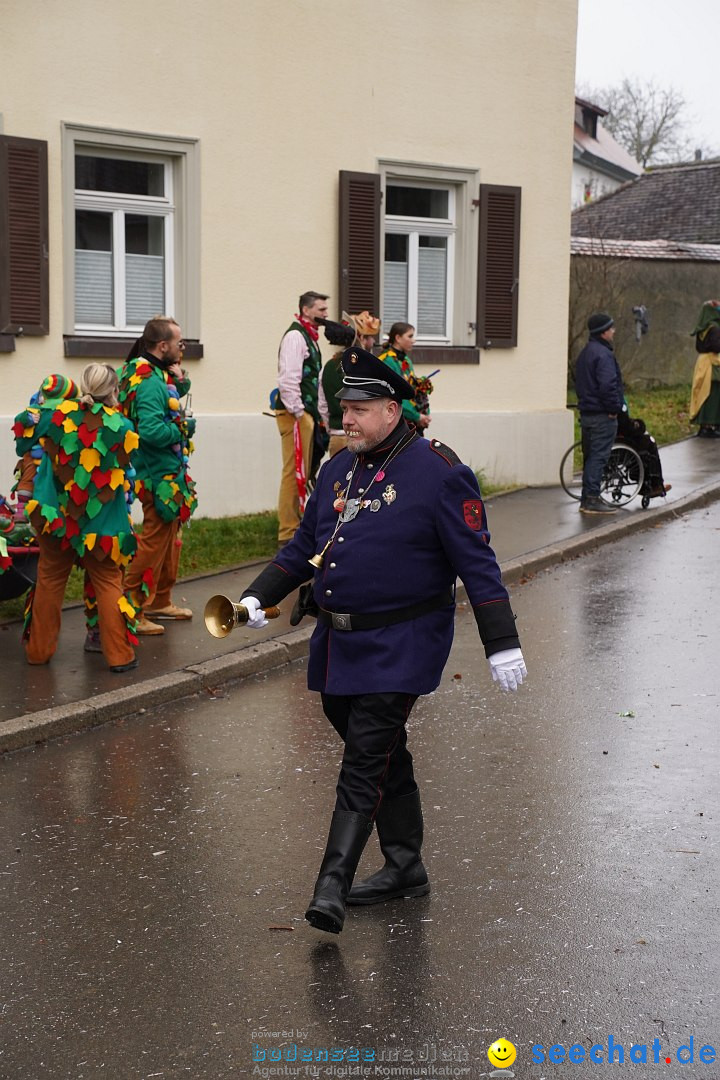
(374, 620)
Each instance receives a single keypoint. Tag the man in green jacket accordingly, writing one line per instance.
(151, 385)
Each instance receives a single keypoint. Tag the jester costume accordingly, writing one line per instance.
(30, 426)
(79, 512)
(151, 400)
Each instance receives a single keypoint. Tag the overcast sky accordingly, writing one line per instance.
(673, 42)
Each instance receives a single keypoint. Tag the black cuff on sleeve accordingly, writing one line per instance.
(496, 624)
(271, 585)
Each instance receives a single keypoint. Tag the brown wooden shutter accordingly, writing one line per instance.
(359, 288)
(24, 305)
(498, 266)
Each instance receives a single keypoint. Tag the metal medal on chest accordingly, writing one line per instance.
(389, 494)
(351, 509)
(375, 506)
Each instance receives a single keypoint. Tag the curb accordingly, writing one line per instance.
(37, 727)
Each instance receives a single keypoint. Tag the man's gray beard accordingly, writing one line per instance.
(362, 448)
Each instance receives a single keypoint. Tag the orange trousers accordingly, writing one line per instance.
(158, 551)
(54, 568)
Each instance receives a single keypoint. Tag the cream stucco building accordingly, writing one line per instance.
(217, 159)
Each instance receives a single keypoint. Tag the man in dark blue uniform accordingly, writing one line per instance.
(391, 516)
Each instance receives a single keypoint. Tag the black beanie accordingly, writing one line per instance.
(600, 322)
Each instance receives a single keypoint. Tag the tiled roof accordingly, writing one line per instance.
(672, 202)
(645, 249)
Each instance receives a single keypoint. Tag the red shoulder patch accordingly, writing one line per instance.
(473, 514)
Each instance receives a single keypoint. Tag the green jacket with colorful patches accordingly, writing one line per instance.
(151, 401)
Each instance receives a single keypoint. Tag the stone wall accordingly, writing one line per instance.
(672, 291)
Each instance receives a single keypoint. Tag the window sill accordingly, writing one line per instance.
(446, 354)
(102, 348)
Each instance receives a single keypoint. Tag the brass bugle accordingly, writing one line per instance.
(222, 615)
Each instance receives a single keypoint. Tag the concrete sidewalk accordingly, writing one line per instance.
(531, 530)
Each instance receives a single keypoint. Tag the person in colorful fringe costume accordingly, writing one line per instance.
(705, 394)
(367, 328)
(401, 338)
(151, 385)
(297, 408)
(29, 429)
(30, 426)
(79, 512)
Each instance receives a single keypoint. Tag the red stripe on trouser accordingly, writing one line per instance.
(388, 755)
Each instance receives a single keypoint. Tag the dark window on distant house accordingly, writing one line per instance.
(24, 289)
(590, 122)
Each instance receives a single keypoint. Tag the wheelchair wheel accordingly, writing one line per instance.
(570, 478)
(623, 476)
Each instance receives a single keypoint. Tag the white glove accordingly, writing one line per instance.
(507, 667)
(256, 615)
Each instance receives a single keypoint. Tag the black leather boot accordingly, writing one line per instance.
(400, 830)
(348, 836)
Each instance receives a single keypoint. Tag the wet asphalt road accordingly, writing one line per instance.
(571, 839)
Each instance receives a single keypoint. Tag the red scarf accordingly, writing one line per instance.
(310, 327)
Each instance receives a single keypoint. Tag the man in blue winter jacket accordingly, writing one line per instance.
(600, 398)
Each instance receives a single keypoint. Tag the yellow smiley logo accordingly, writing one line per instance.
(502, 1053)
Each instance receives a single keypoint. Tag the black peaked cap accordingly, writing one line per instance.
(367, 378)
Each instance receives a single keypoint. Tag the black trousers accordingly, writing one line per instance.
(376, 763)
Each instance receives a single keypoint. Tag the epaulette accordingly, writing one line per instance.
(445, 452)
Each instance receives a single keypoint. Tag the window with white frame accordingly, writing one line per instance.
(124, 232)
(132, 200)
(420, 226)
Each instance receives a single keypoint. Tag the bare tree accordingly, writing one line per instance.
(650, 121)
